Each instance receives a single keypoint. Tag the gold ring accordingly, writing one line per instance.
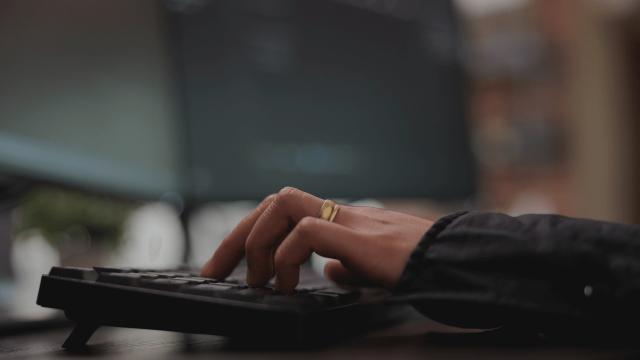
(328, 210)
(334, 213)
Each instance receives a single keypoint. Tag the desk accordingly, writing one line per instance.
(410, 340)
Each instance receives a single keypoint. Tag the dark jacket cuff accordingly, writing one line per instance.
(415, 265)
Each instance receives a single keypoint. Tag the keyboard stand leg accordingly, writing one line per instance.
(79, 336)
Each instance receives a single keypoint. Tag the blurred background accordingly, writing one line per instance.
(139, 133)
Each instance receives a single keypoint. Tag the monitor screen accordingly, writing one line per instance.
(336, 97)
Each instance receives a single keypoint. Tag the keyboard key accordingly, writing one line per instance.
(106, 269)
(235, 279)
(307, 289)
(163, 284)
(196, 280)
(298, 300)
(336, 295)
(148, 275)
(119, 278)
(74, 273)
(249, 293)
(208, 289)
(171, 274)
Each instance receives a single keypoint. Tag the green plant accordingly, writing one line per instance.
(60, 214)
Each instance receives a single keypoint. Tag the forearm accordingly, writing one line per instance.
(486, 270)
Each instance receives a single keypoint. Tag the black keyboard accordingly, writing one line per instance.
(180, 300)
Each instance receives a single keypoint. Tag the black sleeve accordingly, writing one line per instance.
(485, 270)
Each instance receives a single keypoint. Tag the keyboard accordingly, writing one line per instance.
(180, 300)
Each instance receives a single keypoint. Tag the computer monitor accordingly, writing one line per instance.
(340, 98)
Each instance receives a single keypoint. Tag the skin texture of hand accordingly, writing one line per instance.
(367, 245)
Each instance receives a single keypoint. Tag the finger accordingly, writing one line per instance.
(335, 271)
(312, 235)
(231, 249)
(287, 208)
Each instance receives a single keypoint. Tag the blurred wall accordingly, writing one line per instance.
(603, 123)
(555, 114)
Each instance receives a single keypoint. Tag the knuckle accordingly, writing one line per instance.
(269, 198)
(306, 225)
(271, 207)
(287, 193)
(287, 190)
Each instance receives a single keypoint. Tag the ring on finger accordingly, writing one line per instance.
(329, 210)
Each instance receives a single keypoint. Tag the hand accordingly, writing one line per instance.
(366, 244)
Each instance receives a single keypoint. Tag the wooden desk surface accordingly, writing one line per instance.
(408, 341)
